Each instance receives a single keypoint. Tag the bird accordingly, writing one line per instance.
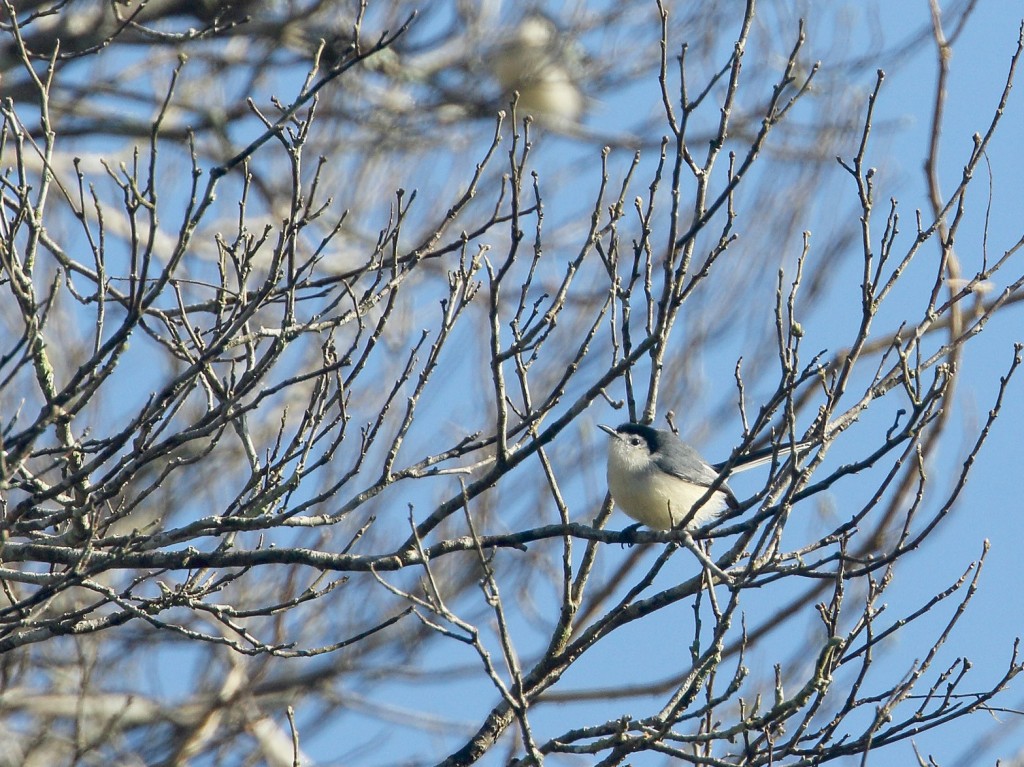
(657, 479)
(541, 63)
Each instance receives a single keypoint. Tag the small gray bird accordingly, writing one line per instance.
(656, 478)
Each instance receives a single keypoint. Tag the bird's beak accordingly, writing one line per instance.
(605, 427)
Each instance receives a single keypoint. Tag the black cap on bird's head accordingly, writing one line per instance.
(636, 434)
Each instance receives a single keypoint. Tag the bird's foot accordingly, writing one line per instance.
(630, 532)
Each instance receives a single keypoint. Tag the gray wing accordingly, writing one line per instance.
(681, 460)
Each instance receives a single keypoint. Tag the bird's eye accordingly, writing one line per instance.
(635, 441)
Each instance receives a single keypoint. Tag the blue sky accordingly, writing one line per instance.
(866, 34)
